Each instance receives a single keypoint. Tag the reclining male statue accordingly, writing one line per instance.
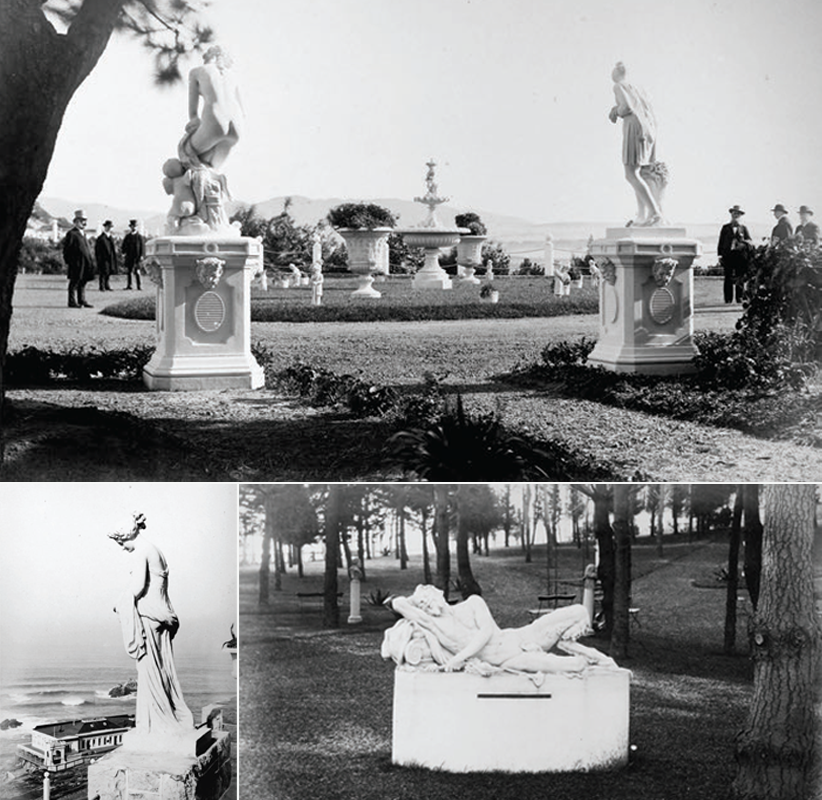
(434, 632)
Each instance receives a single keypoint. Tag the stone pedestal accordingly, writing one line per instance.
(124, 775)
(203, 312)
(355, 616)
(645, 300)
(508, 723)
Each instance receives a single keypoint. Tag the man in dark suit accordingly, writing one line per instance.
(807, 232)
(105, 252)
(80, 262)
(783, 230)
(133, 250)
(734, 243)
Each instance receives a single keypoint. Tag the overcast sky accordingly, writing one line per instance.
(350, 98)
(62, 575)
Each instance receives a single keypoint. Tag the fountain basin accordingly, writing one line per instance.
(432, 275)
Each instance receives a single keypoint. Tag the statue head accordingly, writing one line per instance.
(173, 168)
(219, 57)
(125, 538)
(428, 598)
(618, 73)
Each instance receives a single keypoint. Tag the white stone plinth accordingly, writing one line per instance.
(123, 775)
(355, 616)
(646, 322)
(507, 723)
(203, 326)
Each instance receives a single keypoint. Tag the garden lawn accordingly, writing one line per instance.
(316, 703)
(264, 436)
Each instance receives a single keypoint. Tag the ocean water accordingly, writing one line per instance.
(40, 688)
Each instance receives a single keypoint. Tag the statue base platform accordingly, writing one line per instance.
(645, 300)
(144, 775)
(507, 723)
(203, 312)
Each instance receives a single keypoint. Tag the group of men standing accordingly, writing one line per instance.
(82, 265)
(735, 242)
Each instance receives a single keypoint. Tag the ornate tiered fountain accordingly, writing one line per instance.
(431, 235)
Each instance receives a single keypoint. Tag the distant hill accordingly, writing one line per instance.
(521, 237)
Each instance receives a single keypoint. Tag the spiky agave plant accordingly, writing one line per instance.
(461, 447)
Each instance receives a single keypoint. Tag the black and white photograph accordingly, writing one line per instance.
(529, 640)
(350, 240)
(118, 648)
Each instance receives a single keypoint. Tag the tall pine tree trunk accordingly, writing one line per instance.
(426, 558)
(265, 559)
(467, 580)
(605, 542)
(620, 631)
(753, 541)
(776, 750)
(331, 608)
(443, 578)
(733, 573)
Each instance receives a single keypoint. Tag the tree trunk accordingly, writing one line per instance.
(605, 541)
(298, 557)
(331, 609)
(733, 573)
(426, 559)
(620, 631)
(467, 580)
(775, 752)
(361, 546)
(279, 564)
(526, 521)
(753, 541)
(403, 547)
(41, 71)
(443, 578)
(506, 524)
(265, 559)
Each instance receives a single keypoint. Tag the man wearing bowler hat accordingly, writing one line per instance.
(783, 230)
(734, 241)
(79, 261)
(133, 250)
(105, 252)
(807, 232)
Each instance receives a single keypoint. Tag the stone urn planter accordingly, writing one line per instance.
(365, 227)
(469, 256)
(365, 247)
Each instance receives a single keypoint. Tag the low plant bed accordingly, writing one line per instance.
(519, 297)
(777, 407)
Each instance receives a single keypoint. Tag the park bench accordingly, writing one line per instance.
(549, 602)
(303, 596)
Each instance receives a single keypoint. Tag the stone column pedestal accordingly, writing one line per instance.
(203, 312)
(124, 775)
(645, 300)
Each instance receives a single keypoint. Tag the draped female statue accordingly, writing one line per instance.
(149, 624)
(638, 147)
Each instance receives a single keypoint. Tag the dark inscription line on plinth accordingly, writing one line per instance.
(487, 696)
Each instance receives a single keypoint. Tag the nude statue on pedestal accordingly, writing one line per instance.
(465, 631)
(212, 132)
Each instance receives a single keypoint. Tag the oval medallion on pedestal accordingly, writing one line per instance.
(209, 312)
